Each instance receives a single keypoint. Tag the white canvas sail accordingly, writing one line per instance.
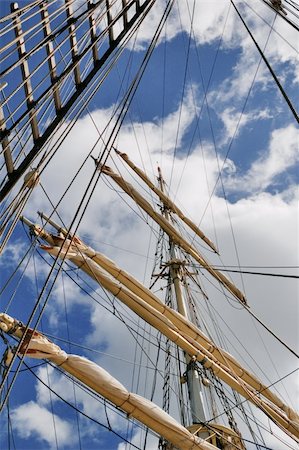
(155, 314)
(35, 345)
(171, 231)
(205, 93)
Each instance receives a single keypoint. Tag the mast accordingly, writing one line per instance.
(171, 324)
(172, 232)
(217, 435)
(30, 102)
(198, 409)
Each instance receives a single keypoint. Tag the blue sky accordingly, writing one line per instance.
(244, 126)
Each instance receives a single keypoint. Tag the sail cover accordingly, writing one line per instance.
(172, 324)
(167, 201)
(175, 329)
(173, 233)
(36, 345)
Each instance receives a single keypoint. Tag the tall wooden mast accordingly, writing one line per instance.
(198, 410)
(215, 433)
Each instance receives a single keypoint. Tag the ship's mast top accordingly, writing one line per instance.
(177, 275)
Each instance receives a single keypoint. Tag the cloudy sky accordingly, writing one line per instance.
(209, 114)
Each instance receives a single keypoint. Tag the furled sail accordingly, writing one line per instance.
(36, 345)
(172, 232)
(187, 327)
(176, 328)
(183, 324)
(166, 200)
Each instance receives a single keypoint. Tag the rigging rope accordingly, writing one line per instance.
(280, 275)
(284, 94)
(81, 110)
(75, 408)
(267, 23)
(68, 72)
(271, 332)
(281, 15)
(68, 337)
(182, 94)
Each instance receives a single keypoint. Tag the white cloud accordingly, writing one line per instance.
(13, 253)
(259, 212)
(208, 20)
(137, 439)
(249, 70)
(282, 154)
(34, 421)
(264, 225)
(234, 121)
(181, 118)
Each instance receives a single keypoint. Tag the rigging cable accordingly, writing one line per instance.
(270, 331)
(275, 31)
(47, 367)
(47, 92)
(216, 381)
(10, 431)
(281, 15)
(115, 58)
(260, 424)
(15, 218)
(251, 313)
(136, 81)
(78, 410)
(208, 305)
(280, 275)
(284, 94)
(68, 337)
(22, 10)
(220, 169)
(156, 371)
(182, 94)
(217, 327)
(122, 319)
(116, 128)
(114, 310)
(122, 111)
(198, 115)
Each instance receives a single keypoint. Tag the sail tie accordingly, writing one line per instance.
(106, 385)
(177, 328)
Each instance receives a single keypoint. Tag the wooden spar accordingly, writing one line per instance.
(182, 323)
(38, 346)
(73, 41)
(25, 72)
(51, 55)
(159, 321)
(110, 22)
(174, 326)
(93, 32)
(166, 200)
(172, 232)
(5, 145)
(125, 16)
(182, 332)
(26, 110)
